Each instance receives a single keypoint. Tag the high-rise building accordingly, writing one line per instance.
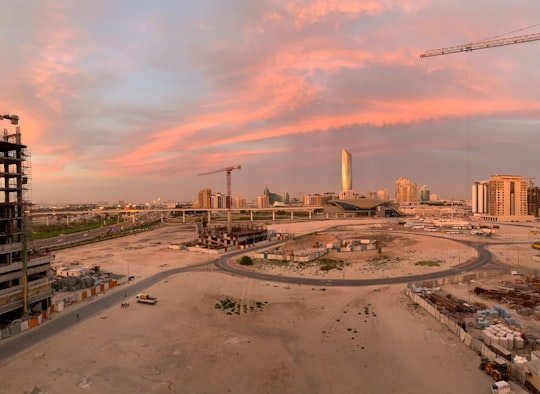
(25, 277)
(274, 197)
(346, 171)
(383, 195)
(406, 191)
(263, 201)
(205, 199)
(218, 201)
(424, 194)
(533, 200)
(239, 202)
(479, 200)
(507, 198)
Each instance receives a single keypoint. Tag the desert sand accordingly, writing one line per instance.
(277, 338)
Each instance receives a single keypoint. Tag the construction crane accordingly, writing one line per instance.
(482, 45)
(13, 118)
(228, 170)
(228, 198)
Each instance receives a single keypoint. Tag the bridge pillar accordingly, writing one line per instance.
(183, 216)
(292, 214)
(310, 214)
(251, 215)
(273, 216)
(209, 216)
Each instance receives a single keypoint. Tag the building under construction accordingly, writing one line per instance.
(238, 237)
(25, 277)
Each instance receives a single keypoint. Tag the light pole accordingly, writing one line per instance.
(469, 289)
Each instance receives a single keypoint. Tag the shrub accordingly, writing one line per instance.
(246, 260)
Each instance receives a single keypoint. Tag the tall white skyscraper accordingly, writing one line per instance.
(346, 171)
(480, 197)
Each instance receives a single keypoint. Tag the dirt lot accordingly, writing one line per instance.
(284, 338)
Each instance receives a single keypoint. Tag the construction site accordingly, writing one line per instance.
(220, 238)
(25, 275)
(500, 317)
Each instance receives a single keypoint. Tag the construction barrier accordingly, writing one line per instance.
(466, 338)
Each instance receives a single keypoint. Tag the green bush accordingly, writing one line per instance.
(246, 260)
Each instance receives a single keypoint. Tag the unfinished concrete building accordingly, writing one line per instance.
(238, 237)
(25, 278)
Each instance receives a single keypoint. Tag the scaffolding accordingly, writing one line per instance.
(25, 278)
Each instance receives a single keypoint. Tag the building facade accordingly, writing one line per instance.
(205, 199)
(424, 194)
(311, 200)
(263, 201)
(382, 194)
(239, 202)
(346, 171)
(507, 199)
(533, 200)
(406, 191)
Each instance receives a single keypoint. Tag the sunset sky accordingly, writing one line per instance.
(132, 100)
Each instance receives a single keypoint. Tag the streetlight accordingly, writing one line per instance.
(469, 289)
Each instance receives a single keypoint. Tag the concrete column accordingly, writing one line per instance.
(183, 216)
(251, 215)
(209, 216)
(310, 214)
(273, 216)
(292, 214)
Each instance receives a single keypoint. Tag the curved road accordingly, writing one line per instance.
(484, 257)
(67, 319)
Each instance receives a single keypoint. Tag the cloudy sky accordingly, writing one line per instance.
(132, 100)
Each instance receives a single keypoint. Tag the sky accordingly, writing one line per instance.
(132, 100)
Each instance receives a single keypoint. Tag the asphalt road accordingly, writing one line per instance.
(484, 257)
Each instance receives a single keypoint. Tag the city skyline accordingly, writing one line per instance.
(131, 102)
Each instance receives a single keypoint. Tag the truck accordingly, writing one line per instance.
(146, 299)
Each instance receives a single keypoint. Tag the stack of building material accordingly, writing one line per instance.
(500, 334)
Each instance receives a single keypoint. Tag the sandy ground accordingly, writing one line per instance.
(284, 339)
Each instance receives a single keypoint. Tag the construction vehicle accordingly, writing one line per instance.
(146, 299)
(497, 369)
